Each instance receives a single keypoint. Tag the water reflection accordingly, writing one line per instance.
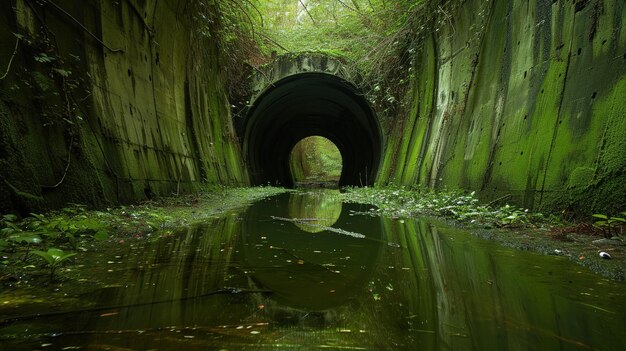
(315, 210)
(304, 268)
(256, 281)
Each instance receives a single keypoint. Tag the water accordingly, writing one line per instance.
(305, 272)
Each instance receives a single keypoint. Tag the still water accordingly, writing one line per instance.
(303, 271)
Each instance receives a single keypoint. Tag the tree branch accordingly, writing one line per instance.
(17, 42)
(308, 13)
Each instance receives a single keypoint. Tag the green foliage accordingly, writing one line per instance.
(60, 228)
(405, 202)
(378, 39)
(315, 159)
(25, 238)
(358, 29)
(7, 225)
(44, 58)
(54, 258)
(67, 228)
(610, 225)
(225, 30)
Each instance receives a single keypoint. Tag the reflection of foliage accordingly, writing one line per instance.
(314, 211)
(315, 159)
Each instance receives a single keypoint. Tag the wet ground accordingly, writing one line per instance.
(302, 271)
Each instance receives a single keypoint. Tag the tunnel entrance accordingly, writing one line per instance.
(311, 104)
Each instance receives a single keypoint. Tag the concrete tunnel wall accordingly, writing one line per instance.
(148, 110)
(519, 100)
(306, 104)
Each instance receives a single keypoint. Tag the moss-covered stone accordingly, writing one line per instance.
(127, 103)
(528, 102)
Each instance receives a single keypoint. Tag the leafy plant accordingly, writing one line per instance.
(158, 220)
(609, 225)
(401, 202)
(54, 258)
(44, 58)
(7, 225)
(27, 239)
(68, 229)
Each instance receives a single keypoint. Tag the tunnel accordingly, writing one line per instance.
(311, 104)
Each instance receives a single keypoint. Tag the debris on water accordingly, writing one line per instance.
(605, 255)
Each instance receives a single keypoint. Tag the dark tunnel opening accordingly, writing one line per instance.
(309, 104)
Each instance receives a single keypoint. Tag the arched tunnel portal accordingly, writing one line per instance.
(308, 104)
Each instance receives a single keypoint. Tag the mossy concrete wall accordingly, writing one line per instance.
(516, 98)
(107, 102)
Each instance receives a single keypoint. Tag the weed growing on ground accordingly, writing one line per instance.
(464, 207)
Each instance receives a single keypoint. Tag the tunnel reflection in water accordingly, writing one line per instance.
(309, 104)
(256, 281)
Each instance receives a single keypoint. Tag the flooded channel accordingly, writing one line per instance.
(303, 271)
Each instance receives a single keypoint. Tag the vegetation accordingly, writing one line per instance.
(57, 236)
(610, 225)
(378, 39)
(54, 258)
(315, 159)
(364, 31)
(401, 202)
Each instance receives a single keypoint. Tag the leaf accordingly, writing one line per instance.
(54, 256)
(7, 231)
(9, 218)
(601, 216)
(62, 72)
(46, 256)
(27, 238)
(44, 58)
(101, 235)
